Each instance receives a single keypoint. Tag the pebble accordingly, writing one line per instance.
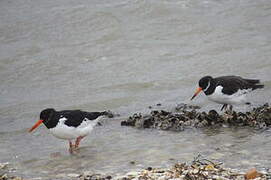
(252, 174)
(3, 165)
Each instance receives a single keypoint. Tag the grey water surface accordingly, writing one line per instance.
(123, 56)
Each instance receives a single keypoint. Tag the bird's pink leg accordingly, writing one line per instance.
(224, 107)
(77, 142)
(71, 147)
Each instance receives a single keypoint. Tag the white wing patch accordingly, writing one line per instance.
(63, 131)
(236, 98)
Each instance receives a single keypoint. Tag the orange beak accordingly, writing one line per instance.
(36, 125)
(196, 93)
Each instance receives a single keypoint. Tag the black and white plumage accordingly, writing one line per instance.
(69, 124)
(227, 90)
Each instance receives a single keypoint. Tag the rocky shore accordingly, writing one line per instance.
(186, 116)
(6, 171)
(182, 117)
(199, 169)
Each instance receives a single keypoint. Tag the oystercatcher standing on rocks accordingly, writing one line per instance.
(227, 90)
(69, 124)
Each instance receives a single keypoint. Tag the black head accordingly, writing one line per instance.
(205, 82)
(45, 117)
(46, 114)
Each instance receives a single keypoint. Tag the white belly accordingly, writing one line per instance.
(236, 98)
(63, 131)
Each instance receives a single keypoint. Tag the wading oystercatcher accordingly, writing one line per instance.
(69, 124)
(227, 90)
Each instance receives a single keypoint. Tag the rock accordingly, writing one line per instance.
(252, 174)
(209, 167)
(187, 116)
(17, 178)
(195, 171)
(3, 165)
(3, 176)
(94, 176)
(108, 177)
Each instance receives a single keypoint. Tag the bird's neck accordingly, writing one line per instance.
(52, 121)
(210, 88)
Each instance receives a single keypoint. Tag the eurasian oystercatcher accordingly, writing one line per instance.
(69, 124)
(227, 90)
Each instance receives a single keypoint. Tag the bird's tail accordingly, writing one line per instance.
(252, 81)
(94, 115)
(255, 83)
(257, 86)
(107, 113)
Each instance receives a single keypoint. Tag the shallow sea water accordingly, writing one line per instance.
(125, 55)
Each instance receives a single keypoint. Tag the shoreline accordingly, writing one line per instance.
(181, 118)
(199, 168)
